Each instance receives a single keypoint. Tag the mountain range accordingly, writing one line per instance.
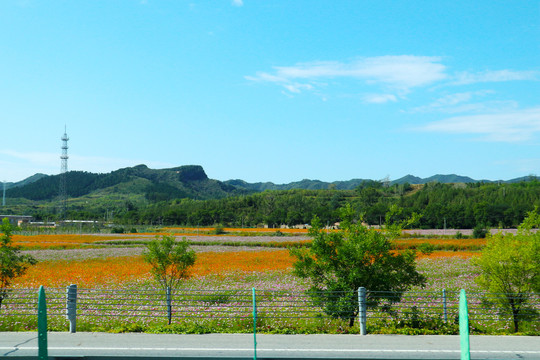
(189, 181)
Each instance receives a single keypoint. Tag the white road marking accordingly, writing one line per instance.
(72, 348)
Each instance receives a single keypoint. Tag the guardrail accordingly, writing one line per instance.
(275, 309)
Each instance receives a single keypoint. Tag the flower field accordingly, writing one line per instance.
(119, 272)
(110, 267)
(114, 261)
(60, 241)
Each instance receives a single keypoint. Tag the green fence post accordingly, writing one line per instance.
(42, 325)
(445, 308)
(464, 326)
(254, 325)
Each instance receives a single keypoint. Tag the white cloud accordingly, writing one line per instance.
(238, 2)
(400, 73)
(379, 98)
(512, 126)
(463, 78)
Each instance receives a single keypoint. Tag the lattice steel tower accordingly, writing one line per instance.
(63, 174)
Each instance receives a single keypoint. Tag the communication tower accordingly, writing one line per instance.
(63, 174)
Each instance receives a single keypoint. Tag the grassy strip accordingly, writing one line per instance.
(407, 325)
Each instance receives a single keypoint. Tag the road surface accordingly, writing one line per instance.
(240, 346)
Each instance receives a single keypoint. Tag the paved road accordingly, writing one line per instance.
(240, 346)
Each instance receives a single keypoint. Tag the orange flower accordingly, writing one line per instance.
(115, 271)
(59, 241)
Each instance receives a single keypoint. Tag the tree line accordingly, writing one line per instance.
(440, 205)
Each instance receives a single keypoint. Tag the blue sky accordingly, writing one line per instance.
(272, 90)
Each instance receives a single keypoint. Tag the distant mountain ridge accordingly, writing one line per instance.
(452, 178)
(188, 181)
(305, 184)
(354, 183)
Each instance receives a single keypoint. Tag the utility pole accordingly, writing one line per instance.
(4, 197)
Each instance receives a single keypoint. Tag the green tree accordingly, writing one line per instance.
(338, 263)
(12, 263)
(510, 269)
(170, 260)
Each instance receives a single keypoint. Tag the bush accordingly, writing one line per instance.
(426, 248)
(219, 230)
(479, 232)
(117, 230)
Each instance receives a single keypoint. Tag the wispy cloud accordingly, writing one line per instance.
(238, 2)
(379, 98)
(396, 76)
(512, 126)
(463, 102)
(400, 73)
(454, 99)
(17, 166)
(38, 158)
(464, 78)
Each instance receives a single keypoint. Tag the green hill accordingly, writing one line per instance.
(155, 185)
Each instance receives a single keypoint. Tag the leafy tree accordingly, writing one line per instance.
(338, 263)
(12, 263)
(170, 260)
(510, 268)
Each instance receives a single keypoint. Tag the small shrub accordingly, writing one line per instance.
(479, 232)
(118, 230)
(219, 230)
(426, 248)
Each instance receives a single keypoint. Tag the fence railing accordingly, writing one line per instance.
(273, 308)
(42, 319)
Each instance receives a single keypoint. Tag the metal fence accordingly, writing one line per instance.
(274, 309)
